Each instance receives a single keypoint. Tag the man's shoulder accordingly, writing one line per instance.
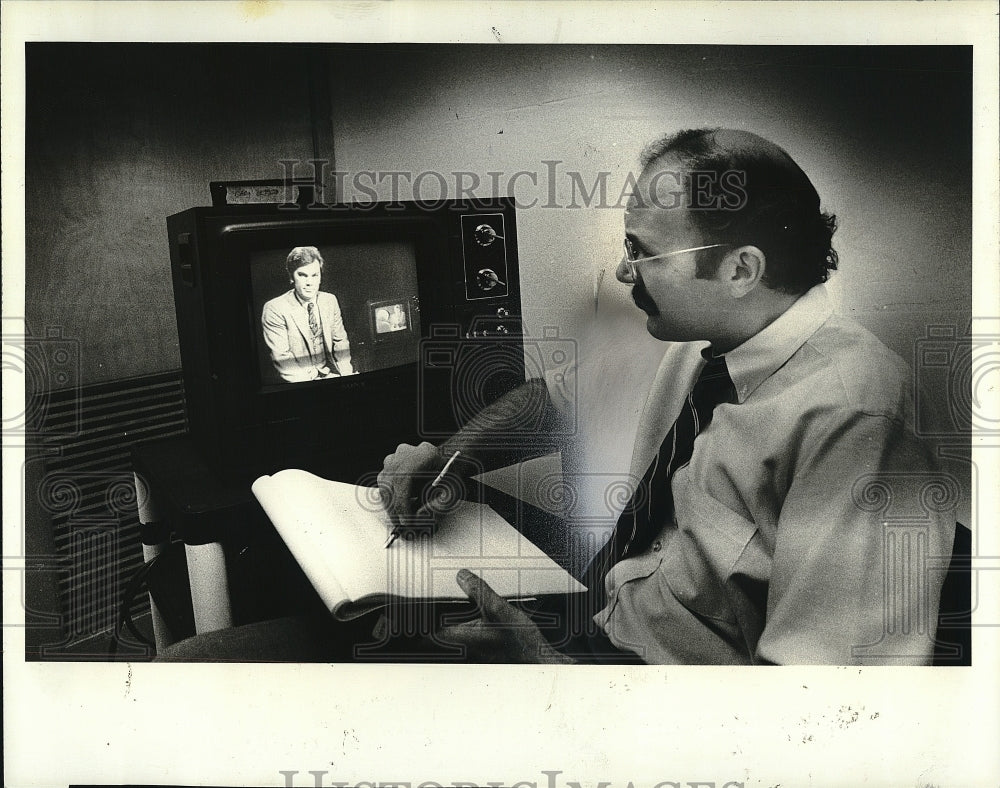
(854, 368)
(278, 303)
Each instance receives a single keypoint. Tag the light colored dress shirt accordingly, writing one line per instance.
(807, 523)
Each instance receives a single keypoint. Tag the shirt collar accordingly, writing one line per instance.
(763, 354)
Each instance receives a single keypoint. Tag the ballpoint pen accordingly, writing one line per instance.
(396, 531)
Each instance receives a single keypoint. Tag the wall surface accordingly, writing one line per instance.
(118, 138)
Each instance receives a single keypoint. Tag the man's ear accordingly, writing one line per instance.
(743, 269)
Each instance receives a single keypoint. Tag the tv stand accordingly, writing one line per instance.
(177, 488)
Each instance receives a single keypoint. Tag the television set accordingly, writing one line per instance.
(322, 336)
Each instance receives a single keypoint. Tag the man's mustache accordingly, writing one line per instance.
(642, 298)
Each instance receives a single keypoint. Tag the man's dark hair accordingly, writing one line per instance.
(300, 256)
(744, 190)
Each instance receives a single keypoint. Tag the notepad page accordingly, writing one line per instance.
(292, 517)
(473, 537)
(341, 529)
(338, 526)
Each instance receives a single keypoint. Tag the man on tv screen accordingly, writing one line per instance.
(303, 328)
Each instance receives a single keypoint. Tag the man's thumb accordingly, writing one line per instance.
(492, 606)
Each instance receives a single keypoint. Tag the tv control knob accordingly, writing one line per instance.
(488, 279)
(502, 330)
(502, 312)
(485, 235)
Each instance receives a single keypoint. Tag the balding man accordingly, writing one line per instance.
(752, 538)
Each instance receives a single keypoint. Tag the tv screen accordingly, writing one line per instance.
(332, 310)
(389, 318)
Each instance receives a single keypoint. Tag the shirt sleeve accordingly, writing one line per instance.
(851, 580)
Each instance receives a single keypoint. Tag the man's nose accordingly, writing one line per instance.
(625, 273)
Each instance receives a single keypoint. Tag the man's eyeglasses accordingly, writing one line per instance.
(631, 259)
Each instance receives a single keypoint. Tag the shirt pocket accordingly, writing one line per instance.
(703, 551)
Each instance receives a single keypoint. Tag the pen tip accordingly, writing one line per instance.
(392, 538)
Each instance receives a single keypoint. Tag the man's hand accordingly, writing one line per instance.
(404, 484)
(502, 633)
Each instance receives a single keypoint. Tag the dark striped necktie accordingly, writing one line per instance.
(652, 504)
(314, 326)
(318, 345)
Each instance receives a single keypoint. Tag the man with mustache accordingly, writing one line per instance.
(753, 537)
